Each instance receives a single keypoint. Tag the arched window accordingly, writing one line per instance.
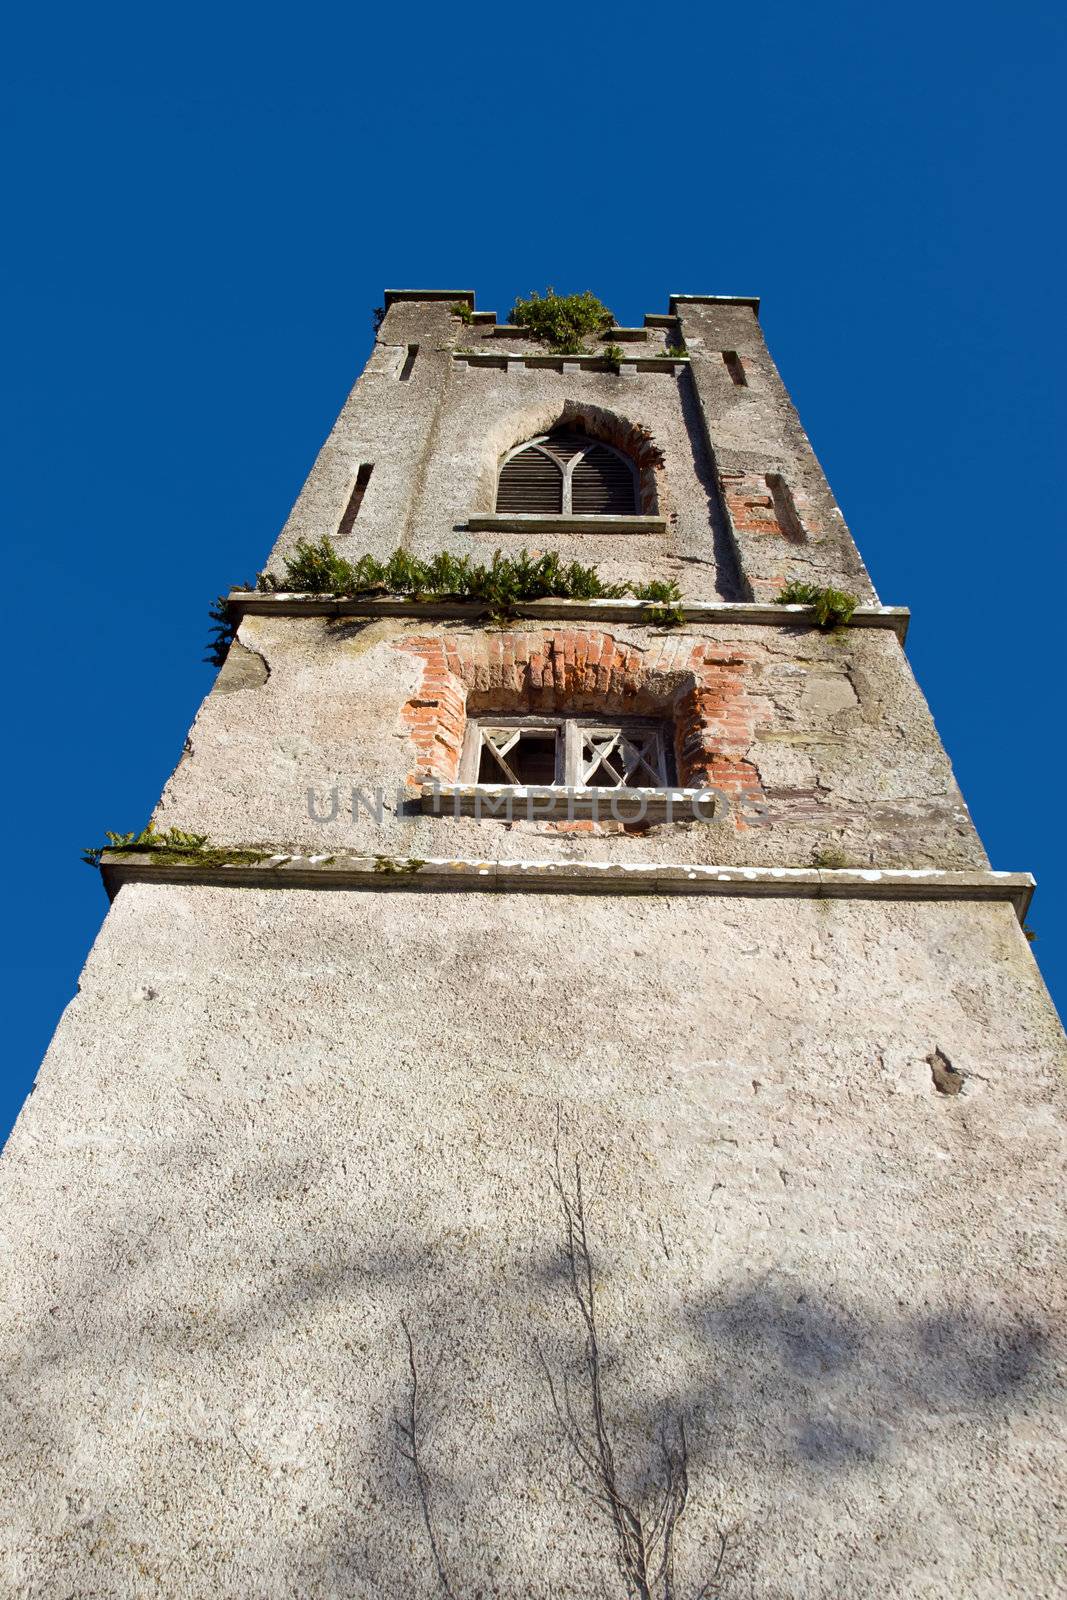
(567, 474)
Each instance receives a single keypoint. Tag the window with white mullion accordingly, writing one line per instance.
(520, 755)
(497, 745)
(545, 753)
(612, 758)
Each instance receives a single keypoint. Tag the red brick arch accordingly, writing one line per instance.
(705, 688)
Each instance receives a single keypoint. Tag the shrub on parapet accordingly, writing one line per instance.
(563, 321)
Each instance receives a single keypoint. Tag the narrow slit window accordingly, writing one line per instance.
(785, 509)
(409, 362)
(735, 367)
(355, 499)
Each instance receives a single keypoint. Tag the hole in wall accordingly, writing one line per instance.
(947, 1078)
(785, 510)
(735, 367)
(409, 362)
(355, 499)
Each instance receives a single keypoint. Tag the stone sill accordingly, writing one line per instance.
(527, 522)
(501, 802)
(251, 603)
(341, 871)
(475, 358)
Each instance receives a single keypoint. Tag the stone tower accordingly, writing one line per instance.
(314, 1126)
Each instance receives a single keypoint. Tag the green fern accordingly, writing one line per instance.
(405, 868)
(224, 629)
(665, 601)
(174, 845)
(150, 838)
(666, 592)
(507, 580)
(831, 606)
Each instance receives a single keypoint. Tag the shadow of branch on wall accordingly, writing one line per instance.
(644, 1520)
(791, 1370)
(248, 1371)
(642, 1498)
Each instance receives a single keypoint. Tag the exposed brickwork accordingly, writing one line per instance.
(436, 716)
(762, 502)
(715, 724)
(772, 521)
(750, 502)
(704, 688)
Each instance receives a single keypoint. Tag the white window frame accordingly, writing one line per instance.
(566, 468)
(584, 745)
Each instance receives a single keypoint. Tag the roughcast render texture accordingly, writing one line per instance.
(273, 1123)
(821, 1141)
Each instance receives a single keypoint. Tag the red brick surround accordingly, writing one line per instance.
(703, 687)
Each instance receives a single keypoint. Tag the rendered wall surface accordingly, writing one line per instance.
(832, 733)
(274, 1122)
(436, 439)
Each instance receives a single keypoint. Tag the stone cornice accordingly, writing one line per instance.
(341, 871)
(248, 602)
(676, 300)
(576, 363)
(655, 319)
(393, 295)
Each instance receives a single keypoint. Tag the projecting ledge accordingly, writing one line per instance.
(562, 803)
(750, 300)
(339, 871)
(279, 603)
(528, 522)
(501, 359)
(451, 295)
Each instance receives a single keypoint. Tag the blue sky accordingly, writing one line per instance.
(204, 207)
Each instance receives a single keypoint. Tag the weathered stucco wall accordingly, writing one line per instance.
(275, 1122)
(436, 438)
(754, 431)
(832, 740)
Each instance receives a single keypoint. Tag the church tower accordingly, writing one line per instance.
(581, 1117)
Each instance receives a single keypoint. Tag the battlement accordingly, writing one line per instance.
(467, 297)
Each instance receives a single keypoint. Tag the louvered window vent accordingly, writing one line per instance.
(567, 474)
